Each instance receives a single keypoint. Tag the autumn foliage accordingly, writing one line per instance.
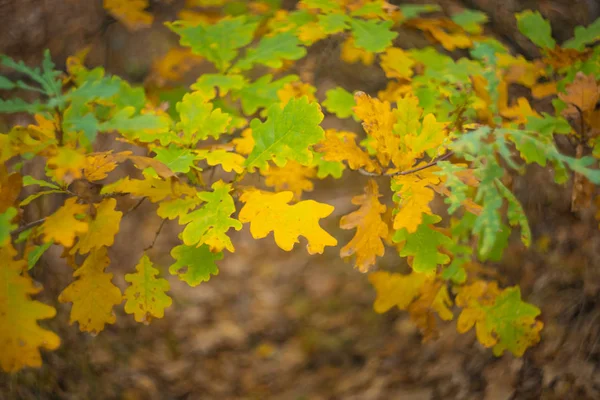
(444, 127)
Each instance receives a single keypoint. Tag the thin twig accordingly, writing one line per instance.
(139, 203)
(28, 226)
(156, 235)
(410, 171)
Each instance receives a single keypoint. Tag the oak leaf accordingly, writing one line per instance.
(194, 265)
(62, 226)
(397, 63)
(270, 212)
(21, 338)
(413, 195)
(102, 227)
(367, 243)
(210, 223)
(130, 12)
(341, 146)
(93, 294)
(293, 176)
(146, 297)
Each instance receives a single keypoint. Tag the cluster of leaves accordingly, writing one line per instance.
(441, 128)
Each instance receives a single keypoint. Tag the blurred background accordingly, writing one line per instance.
(286, 325)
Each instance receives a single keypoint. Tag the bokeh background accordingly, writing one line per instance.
(286, 325)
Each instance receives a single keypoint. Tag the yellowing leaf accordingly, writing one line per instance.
(209, 224)
(341, 146)
(130, 13)
(500, 318)
(155, 189)
(228, 160)
(176, 208)
(446, 32)
(296, 90)
(98, 165)
(10, 188)
(541, 90)
(67, 164)
(378, 121)
(311, 32)
(62, 226)
(102, 228)
(21, 338)
(173, 66)
(414, 196)
(367, 243)
(293, 176)
(397, 63)
(146, 297)
(352, 54)
(93, 294)
(519, 112)
(421, 295)
(245, 143)
(432, 135)
(270, 212)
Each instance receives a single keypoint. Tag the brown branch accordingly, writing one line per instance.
(410, 171)
(156, 235)
(28, 225)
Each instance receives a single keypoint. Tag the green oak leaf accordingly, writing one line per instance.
(536, 28)
(210, 223)
(207, 83)
(146, 297)
(198, 119)
(423, 245)
(261, 93)
(219, 42)
(272, 50)
(286, 134)
(584, 36)
(372, 35)
(340, 102)
(198, 262)
(176, 158)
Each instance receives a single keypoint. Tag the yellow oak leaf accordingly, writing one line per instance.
(155, 189)
(311, 32)
(270, 212)
(352, 54)
(393, 91)
(67, 164)
(21, 338)
(173, 66)
(62, 226)
(519, 112)
(102, 228)
(432, 135)
(228, 160)
(378, 121)
(92, 293)
(178, 207)
(483, 108)
(413, 196)
(130, 13)
(421, 295)
(396, 63)
(519, 70)
(146, 297)
(295, 90)
(367, 243)
(245, 143)
(293, 176)
(396, 289)
(341, 146)
(446, 32)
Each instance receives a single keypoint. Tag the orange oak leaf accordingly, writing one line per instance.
(367, 243)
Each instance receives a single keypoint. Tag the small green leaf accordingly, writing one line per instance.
(414, 10)
(29, 180)
(272, 50)
(536, 28)
(470, 20)
(194, 265)
(584, 36)
(372, 35)
(286, 134)
(339, 102)
(176, 158)
(6, 84)
(34, 255)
